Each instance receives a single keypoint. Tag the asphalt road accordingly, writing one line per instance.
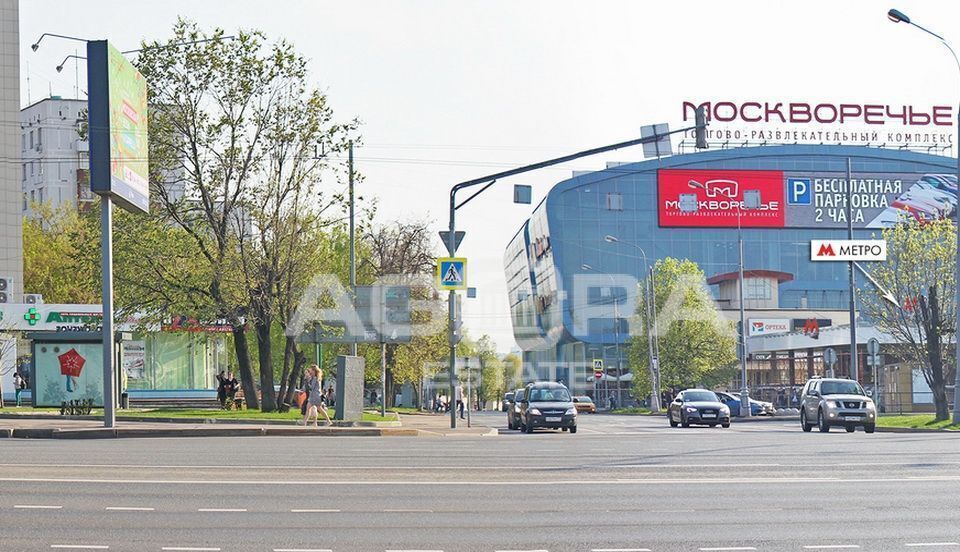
(621, 483)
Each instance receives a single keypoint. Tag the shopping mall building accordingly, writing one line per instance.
(571, 268)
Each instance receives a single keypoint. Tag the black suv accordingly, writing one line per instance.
(513, 410)
(547, 404)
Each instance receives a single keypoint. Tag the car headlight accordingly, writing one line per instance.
(572, 411)
(690, 409)
(725, 409)
(534, 411)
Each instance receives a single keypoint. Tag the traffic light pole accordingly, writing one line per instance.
(488, 181)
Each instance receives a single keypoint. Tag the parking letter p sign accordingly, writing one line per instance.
(799, 191)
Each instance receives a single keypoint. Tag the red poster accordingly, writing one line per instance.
(717, 195)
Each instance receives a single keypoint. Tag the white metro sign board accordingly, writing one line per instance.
(848, 250)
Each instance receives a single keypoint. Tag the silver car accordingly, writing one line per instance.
(827, 402)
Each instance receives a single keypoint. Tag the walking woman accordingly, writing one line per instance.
(311, 384)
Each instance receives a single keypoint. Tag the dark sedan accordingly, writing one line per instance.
(700, 407)
(549, 405)
(513, 411)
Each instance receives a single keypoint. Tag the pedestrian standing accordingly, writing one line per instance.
(331, 398)
(221, 388)
(18, 385)
(460, 401)
(314, 397)
(230, 387)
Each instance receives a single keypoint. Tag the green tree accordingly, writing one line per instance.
(234, 127)
(919, 272)
(56, 243)
(697, 346)
(512, 371)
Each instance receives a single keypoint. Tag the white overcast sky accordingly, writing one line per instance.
(452, 90)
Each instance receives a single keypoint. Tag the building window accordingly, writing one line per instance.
(615, 201)
(757, 289)
(31, 169)
(39, 137)
(31, 139)
(23, 141)
(24, 172)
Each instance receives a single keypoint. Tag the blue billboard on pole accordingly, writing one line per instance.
(117, 126)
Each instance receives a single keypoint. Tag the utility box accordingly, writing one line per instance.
(349, 388)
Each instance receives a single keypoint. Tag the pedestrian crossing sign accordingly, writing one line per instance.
(452, 273)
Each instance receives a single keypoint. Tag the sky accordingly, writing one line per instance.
(449, 91)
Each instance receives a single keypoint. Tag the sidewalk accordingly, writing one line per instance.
(57, 427)
(438, 425)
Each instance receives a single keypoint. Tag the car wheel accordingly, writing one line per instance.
(673, 423)
(726, 425)
(822, 424)
(803, 421)
(851, 429)
(870, 428)
(683, 421)
(528, 428)
(510, 424)
(563, 428)
(573, 429)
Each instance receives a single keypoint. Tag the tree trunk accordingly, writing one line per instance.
(287, 354)
(299, 363)
(931, 320)
(243, 365)
(265, 355)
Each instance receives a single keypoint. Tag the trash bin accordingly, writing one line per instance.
(124, 400)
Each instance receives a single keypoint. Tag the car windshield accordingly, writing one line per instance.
(549, 394)
(584, 399)
(841, 388)
(700, 396)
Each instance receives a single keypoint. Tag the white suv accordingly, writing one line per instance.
(827, 402)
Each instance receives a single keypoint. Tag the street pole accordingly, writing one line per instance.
(853, 278)
(469, 397)
(353, 238)
(383, 379)
(616, 320)
(744, 388)
(106, 248)
(451, 312)
(898, 17)
(656, 338)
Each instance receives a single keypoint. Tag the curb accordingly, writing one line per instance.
(914, 430)
(764, 419)
(119, 433)
(165, 420)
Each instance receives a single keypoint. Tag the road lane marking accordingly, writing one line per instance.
(80, 546)
(726, 548)
(36, 507)
(406, 511)
(620, 550)
(918, 544)
(221, 509)
(128, 509)
(830, 546)
(314, 511)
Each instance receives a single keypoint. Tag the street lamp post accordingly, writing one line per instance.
(616, 329)
(899, 17)
(744, 387)
(649, 295)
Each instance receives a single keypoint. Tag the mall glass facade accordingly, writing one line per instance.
(561, 325)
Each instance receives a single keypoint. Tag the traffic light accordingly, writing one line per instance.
(701, 130)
